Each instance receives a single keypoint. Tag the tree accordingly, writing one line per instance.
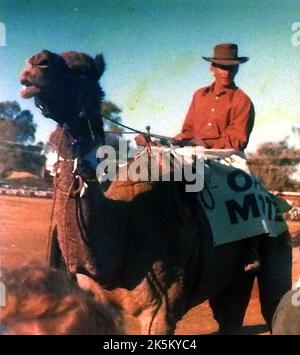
(296, 130)
(113, 131)
(274, 163)
(17, 129)
(17, 157)
(15, 124)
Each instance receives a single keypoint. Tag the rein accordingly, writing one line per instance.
(71, 191)
(134, 131)
(49, 239)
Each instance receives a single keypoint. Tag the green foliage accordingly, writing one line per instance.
(15, 124)
(113, 131)
(17, 157)
(16, 130)
(110, 110)
(275, 163)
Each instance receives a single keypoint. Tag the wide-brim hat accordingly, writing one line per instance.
(226, 54)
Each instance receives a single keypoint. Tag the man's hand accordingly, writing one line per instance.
(198, 141)
(183, 140)
(141, 140)
(182, 136)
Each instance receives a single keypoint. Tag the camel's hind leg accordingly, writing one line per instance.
(275, 277)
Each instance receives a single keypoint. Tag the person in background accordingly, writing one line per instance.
(43, 301)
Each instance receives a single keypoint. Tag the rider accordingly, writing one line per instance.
(221, 116)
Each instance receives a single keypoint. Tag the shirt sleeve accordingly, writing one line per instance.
(236, 135)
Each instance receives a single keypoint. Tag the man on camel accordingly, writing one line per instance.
(221, 116)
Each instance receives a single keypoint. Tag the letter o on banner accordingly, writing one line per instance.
(239, 181)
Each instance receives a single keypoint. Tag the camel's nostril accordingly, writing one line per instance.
(24, 81)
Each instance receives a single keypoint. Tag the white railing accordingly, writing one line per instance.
(25, 193)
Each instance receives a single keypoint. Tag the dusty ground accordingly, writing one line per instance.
(24, 225)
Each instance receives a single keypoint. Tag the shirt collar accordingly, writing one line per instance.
(223, 90)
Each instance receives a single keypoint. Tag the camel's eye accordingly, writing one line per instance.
(44, 63)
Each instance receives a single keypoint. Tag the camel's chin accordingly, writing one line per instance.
(29, 91)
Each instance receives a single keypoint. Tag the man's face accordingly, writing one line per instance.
(224, 74)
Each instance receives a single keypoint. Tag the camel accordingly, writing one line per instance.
(146, 247)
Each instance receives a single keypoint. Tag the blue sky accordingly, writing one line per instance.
(153, 50)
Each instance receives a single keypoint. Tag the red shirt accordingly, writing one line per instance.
(222, 119)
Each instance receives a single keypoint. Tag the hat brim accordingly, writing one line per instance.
(236, 61)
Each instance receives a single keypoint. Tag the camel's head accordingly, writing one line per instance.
(62, 85)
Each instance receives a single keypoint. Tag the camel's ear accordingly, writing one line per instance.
(100, 65)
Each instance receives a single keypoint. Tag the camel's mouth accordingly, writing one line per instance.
(29, 91)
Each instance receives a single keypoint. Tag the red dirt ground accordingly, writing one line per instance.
(23, 237)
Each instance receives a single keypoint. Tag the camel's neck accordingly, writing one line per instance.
(79, 118)
(80, 141)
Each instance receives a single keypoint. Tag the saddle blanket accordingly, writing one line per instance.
(236, 204)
